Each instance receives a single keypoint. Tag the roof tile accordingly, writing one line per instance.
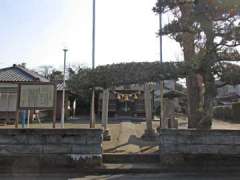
(20, 74)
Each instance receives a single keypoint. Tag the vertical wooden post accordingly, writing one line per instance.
(17, 106)
(17, 118)
(28, 118)
(55, 107)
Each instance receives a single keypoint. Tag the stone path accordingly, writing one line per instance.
(126, 138)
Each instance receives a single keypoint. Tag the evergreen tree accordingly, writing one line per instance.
(208, 32)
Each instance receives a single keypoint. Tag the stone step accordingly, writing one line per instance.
(130, 158)
(125, 168)
(155, 168)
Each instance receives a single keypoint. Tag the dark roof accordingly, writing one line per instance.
(173, 94)
(20, 74)
(229, 97)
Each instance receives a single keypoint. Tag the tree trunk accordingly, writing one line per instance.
(209, 80)
(194, 94)
(209, 94)
(194, 88)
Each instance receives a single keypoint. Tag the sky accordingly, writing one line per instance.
(36, 31)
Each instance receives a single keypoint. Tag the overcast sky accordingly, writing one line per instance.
(35, 32)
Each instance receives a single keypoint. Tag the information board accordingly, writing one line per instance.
(36, 96)
(8, 97)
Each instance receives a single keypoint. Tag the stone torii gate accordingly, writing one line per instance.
(105, 102)
(149, 132)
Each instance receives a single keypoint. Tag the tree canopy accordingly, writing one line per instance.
(140, 72)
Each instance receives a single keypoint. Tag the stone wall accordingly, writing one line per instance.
(199, 142)
(51, 147)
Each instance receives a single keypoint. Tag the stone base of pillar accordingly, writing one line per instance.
(172, 124)
(106, 135)
(149, 135)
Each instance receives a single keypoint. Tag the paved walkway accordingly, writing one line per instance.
(126, 138)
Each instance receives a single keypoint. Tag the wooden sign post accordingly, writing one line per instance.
(37, 96)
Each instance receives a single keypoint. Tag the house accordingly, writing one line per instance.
(10, 77)
(227, 94)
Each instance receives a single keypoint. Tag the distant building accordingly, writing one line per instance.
(227, 94)
(9, 78)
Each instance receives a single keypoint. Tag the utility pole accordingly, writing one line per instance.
(63, 95)
(161, 61)
(92, 115)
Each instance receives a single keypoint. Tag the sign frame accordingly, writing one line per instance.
(36, 84)
(54, 108)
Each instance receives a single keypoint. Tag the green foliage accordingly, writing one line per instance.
(223, 113)
(236, 111)
(124, 74)
(213, 23)
(141, 72)
(229, 73)
(228, 113)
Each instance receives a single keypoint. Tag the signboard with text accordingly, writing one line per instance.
(39, 96)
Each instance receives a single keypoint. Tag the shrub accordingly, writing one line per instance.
(236, 111)
(223, 112)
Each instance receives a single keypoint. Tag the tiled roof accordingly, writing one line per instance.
(60, 86)
(20, 74)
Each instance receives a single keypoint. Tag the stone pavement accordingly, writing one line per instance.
(126, 138)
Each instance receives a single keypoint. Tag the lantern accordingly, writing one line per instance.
(119, 96)
(126, 97)
(135, 97)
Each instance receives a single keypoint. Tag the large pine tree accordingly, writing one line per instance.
(209, 34)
